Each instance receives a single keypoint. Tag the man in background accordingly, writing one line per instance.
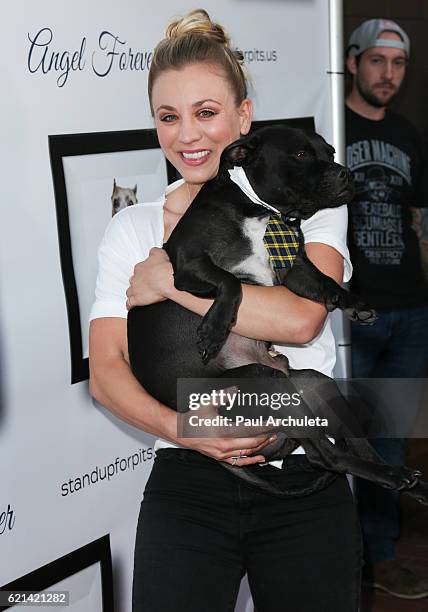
(385, 155)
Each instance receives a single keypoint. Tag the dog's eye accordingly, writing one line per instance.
(301, 154)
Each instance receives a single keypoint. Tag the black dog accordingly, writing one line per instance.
(217, 245)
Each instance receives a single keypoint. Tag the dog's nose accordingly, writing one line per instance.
(344, 175)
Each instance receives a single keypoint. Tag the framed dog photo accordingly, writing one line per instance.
(95, 175)
(81, 580)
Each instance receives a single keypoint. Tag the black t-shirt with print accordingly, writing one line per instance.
(387, 163)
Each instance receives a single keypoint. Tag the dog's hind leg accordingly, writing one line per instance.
(363, 448)
(322, 395)
(360, 447)
(323, 454)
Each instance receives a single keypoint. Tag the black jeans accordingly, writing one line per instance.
(201, 529)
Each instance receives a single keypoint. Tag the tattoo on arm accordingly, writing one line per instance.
(420, 225)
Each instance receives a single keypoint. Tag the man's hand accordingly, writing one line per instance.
(420, 225)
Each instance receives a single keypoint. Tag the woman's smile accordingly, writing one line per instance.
(195, 157)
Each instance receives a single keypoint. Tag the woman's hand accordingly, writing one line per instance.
(152, 280)
(237, 451)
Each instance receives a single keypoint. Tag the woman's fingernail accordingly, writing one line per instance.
(272, 438)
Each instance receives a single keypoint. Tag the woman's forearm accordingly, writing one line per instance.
(275, 313)
(114, 386)
(266, 313)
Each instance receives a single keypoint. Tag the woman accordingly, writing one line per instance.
(201, 529)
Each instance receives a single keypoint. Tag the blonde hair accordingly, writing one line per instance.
(195, 38)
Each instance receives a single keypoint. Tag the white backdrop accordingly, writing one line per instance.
(60, 75)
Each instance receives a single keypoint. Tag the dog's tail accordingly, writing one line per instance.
(248, 475)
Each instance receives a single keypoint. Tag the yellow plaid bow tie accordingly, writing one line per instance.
(282, 241)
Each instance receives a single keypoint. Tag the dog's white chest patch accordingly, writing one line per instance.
(257, 265)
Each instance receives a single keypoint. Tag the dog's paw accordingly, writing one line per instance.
(335, 301)
(210, 341)
(420, 492)
(361, 313)
(410, 478)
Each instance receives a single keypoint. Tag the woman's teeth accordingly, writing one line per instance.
(196, 155)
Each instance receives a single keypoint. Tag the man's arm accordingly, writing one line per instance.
(420, 225)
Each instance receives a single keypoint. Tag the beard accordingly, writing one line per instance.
(368, 94)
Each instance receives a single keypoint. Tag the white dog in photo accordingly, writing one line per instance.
(122, 197)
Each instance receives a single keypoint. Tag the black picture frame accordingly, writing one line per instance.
(65, 145)
(98, 551)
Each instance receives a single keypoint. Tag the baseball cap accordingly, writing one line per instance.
(366, 36)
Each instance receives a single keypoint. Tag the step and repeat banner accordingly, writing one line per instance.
(74, 149)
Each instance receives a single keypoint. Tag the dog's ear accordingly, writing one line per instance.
(135, 189)
(242, 152)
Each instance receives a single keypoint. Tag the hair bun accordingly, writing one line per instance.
(197, 22)
(193, 39)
